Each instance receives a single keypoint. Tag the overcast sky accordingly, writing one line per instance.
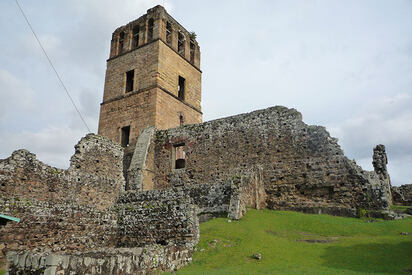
(346, 65)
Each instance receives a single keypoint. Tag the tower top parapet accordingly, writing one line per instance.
(154, 25)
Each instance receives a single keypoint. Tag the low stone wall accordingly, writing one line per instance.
(170, 216)
(142, 260)
(48, 226)
(61, 210)
(144, 231)
(165, 217)
(402, 195)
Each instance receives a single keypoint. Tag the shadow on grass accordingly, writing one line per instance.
(375, 257)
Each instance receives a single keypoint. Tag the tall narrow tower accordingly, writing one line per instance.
(153, 78)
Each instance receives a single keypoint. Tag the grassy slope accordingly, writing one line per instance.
(355, 246)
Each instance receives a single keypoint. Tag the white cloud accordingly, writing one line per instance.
(15, 95)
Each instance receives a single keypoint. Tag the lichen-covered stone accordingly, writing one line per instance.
(402, 195)
(303, 167)
(94, 177)
(84, 220)
(142, 260)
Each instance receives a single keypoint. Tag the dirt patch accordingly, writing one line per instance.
(272, 232)
(316, 241)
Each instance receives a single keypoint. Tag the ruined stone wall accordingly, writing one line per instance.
(94, 177)
(55, 227)
(379, 162)
(246, 191)
(76, 220)
(303, 166)
(162, 217)
(402, 195)
(62, 209)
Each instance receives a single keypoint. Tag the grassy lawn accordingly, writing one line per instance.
(400, 208)
(2, 267)
(292, 242)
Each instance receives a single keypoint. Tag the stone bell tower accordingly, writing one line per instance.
(153, 78)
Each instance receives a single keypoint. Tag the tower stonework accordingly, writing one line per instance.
(153, 78)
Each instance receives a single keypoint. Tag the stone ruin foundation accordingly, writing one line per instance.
(99, 217)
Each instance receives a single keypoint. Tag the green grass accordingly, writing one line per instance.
(401, 208)
(292, 242)
(2, 267)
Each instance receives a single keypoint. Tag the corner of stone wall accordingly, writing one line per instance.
(98, 156)
(96, 171)
(247, 191)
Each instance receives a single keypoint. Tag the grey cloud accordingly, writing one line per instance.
(53, 146)
(385, 121)
(15, 94)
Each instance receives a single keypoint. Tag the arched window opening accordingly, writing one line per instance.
(121, 42)
(135, 39)
(168, 33)
(181, 43)
(150, 30)
(179, 158)
(192, 51)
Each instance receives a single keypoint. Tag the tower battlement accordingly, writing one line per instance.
(156, 24)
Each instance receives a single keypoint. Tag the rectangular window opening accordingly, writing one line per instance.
(179, 160)
(150, 30)
(168, 33)
(181, 43)
(181, 88)
(125, 136)
(121, 42)
(129, 81)
(135, 41)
